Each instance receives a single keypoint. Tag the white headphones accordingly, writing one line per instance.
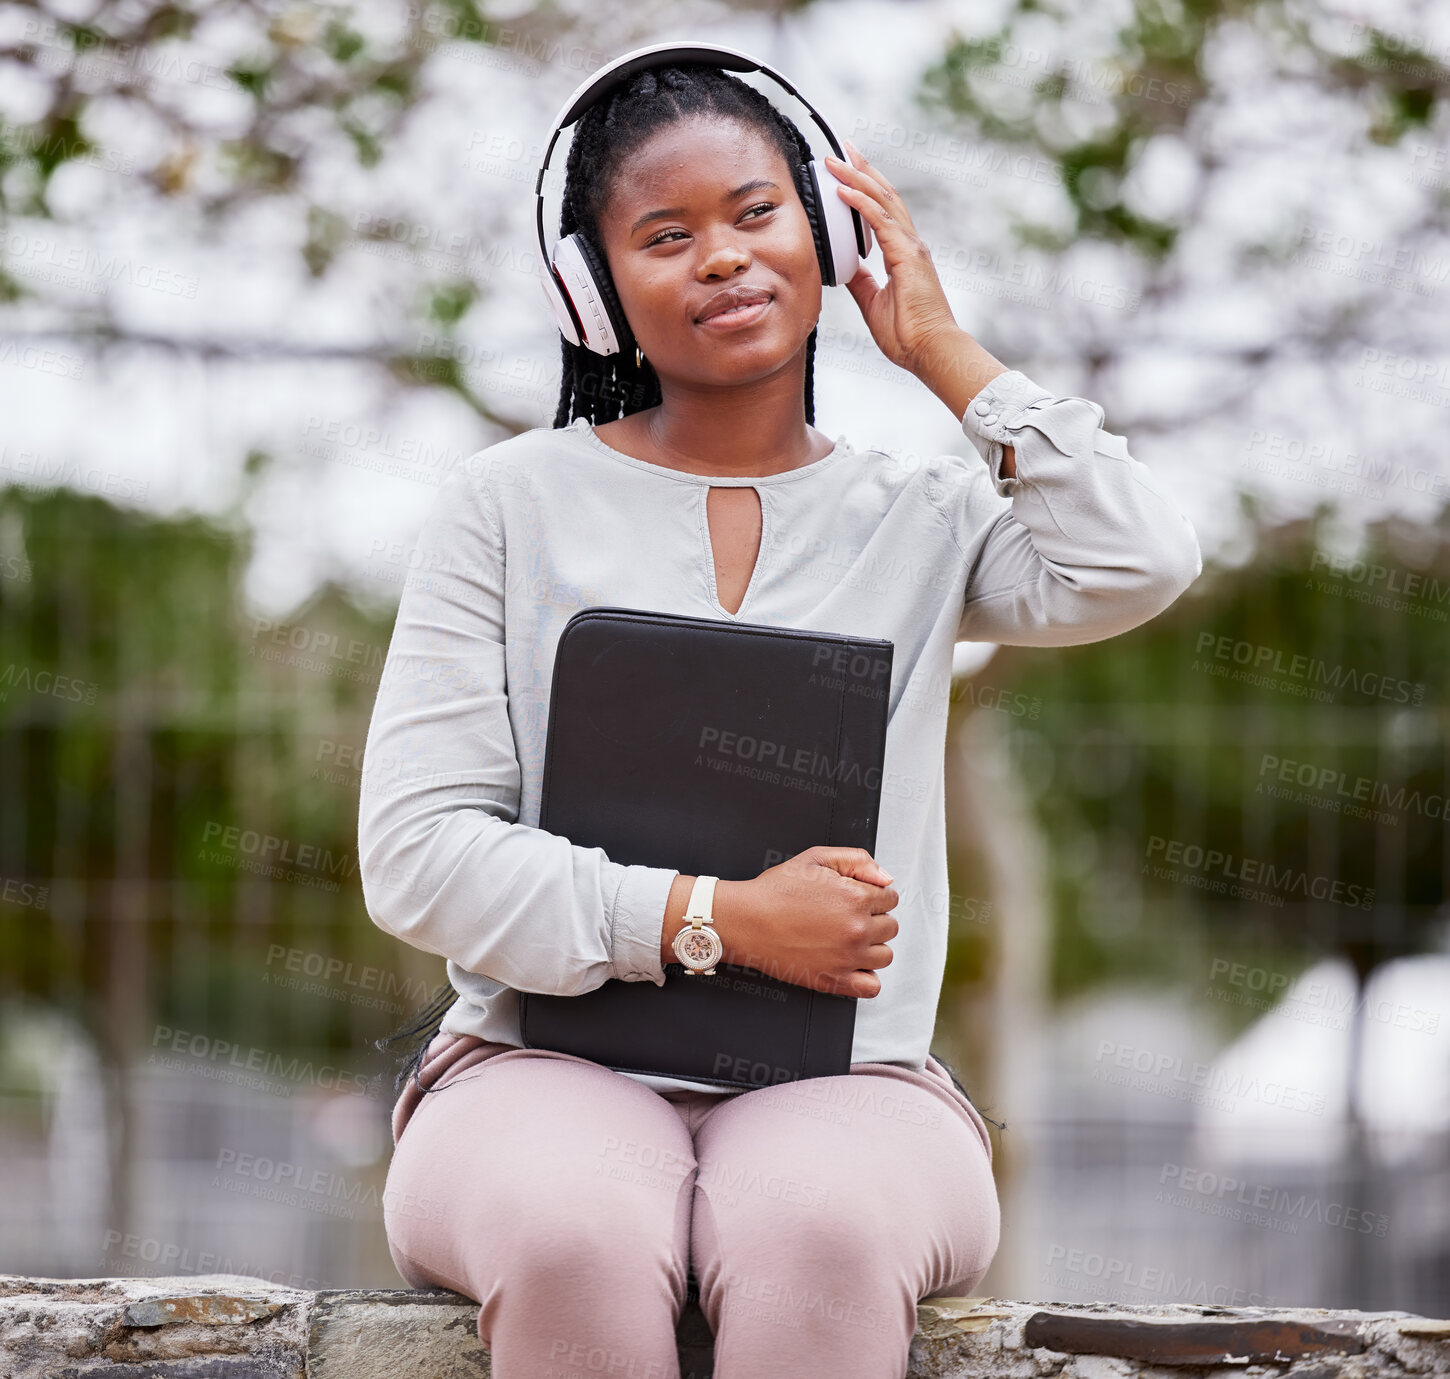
(575, 277)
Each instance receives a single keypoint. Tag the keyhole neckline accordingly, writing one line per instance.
(704, 501)
(582, 426)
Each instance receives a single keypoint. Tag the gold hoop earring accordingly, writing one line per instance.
(638, 358)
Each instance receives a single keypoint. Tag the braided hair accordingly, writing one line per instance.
(606, 387)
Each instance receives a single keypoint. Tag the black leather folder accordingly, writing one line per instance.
(720, 749)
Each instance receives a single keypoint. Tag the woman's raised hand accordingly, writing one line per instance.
(819, 919)
(906, 315)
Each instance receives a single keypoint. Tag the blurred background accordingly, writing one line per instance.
(267, 276)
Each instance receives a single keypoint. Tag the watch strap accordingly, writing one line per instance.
(702, 900)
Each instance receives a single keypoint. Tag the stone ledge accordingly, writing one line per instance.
(228, 1326)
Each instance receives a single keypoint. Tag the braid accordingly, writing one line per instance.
(811, 378)
(607, 387)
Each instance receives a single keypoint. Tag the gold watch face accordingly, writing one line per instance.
(698, 948)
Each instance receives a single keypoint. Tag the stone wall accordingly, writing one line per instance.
(227, 1326)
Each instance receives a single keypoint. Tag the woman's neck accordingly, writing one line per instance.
(755, 429)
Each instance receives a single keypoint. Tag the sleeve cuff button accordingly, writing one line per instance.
(980, 406)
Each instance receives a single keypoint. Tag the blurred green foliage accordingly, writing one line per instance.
(164, 752)
(1288, 719)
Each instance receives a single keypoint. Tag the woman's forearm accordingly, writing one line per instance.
(727, 911)
(956, 368)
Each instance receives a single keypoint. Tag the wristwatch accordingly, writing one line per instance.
(697, 944)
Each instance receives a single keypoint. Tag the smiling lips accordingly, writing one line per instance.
(745, 300)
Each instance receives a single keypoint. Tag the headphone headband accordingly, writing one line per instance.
(618, 72)
(567, 272)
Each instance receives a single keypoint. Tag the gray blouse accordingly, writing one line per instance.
(1079, 546)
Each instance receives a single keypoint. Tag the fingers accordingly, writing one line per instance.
(894, 234)
(879, 955)
(853, 862)
(861, 189)
(869, 190)
(864, 985)
(858, 160)
(863, 288)
(882, 899)
(859, 983)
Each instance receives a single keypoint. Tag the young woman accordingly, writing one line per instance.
(684, 474)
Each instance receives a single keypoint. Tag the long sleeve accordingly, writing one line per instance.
(445, 865)
(1087, 548)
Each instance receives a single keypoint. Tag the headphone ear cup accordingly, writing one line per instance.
(811, 200)
(846, 235)
(623, 340)
(585, 297)
(557, 296)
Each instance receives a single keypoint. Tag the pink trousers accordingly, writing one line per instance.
(570, 1201)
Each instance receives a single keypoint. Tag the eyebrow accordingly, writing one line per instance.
(754, 185)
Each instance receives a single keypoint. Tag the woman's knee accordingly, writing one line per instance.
(861, 1244)
(572, 1217)
(620, 1257)
(811, 1236)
